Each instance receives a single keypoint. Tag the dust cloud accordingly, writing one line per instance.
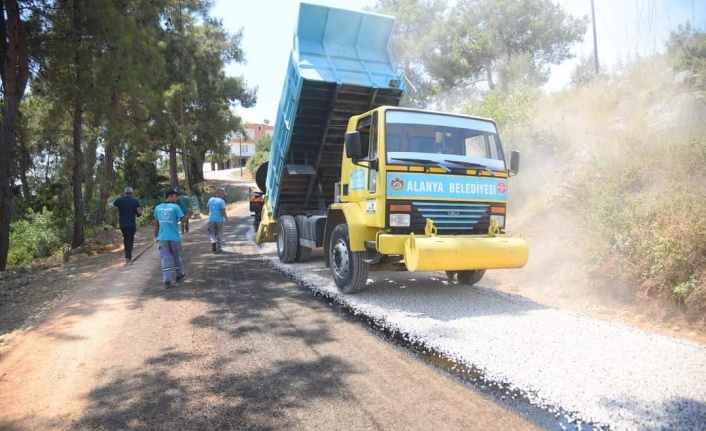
(582, 139)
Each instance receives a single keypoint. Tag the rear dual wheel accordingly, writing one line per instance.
(303, 253)
(470, 277)
(287, 239)
(288, 247)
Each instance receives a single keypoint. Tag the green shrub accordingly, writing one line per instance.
(687, 47)
(262, 154)
(147, 217)
(508, 111)
(37, 236)
(646, 220)
(683, 290)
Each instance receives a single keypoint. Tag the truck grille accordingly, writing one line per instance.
(450, 217)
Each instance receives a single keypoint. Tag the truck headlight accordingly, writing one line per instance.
(399, 220)
(499, 219)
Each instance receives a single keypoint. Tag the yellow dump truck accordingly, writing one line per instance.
(378, 186)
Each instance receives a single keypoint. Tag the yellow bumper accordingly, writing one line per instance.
(438, 253)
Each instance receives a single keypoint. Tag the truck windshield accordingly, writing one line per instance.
(442, 138)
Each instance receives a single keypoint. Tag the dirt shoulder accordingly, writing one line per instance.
(29, 293)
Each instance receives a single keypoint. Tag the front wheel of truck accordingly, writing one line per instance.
(466, 277)
(348, 268)
(287, 239)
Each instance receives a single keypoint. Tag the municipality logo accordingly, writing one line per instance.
(397, 184)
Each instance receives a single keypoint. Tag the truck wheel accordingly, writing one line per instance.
(287, 239)
(348, 268)
(470, 277)
(303, 253)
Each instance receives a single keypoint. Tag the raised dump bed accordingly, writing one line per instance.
(340, 66)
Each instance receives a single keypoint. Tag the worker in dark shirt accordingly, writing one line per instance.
(129, 209)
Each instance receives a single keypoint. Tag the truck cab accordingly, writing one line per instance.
(422, 191)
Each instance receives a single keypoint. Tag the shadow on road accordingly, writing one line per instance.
(248, 308)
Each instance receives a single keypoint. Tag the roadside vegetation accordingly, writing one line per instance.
(612, 184)
(106, 94)
(262, 154)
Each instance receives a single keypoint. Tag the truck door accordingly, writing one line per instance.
(371, 201)
(368, 129)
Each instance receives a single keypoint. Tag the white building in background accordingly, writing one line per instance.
(243, 147)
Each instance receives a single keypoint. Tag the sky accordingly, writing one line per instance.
(624, 28)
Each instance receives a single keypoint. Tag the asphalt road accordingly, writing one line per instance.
(236, 346)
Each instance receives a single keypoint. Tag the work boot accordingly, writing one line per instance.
(181, 276)
(213, 247)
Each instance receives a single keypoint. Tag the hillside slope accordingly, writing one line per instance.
(612, 193)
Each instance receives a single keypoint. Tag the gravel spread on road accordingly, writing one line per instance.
(585, 370)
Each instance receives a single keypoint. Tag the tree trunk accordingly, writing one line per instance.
(489, 72)
(187, 169)
(106, 181)
(90, 166)
(77, 169)
(14, 59)
(7, 134)
(25, 163)
(77, 175)
(108, 161)
(196, 168)
(173, 178)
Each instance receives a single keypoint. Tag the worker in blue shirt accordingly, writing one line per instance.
(167, 216)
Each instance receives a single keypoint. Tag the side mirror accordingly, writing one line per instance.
(353, 145)
(514, 162)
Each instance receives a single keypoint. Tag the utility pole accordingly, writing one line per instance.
(595, 40)
(181, 101)
(239, 135)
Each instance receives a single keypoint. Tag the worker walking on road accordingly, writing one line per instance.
(166, 231)
(129, 208)
(217, 217)
(183, 202)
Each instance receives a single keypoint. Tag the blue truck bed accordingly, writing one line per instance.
(340, 66)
